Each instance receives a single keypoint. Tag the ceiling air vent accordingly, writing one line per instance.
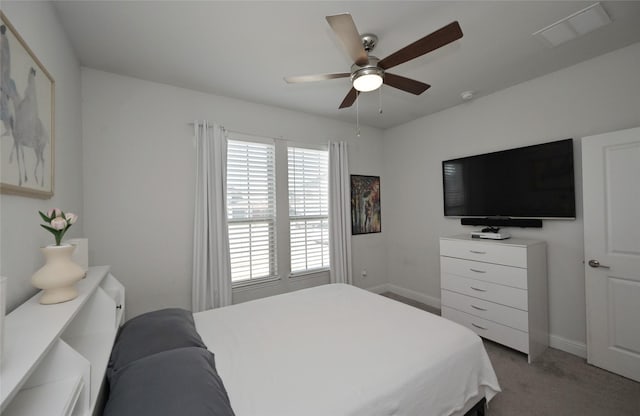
(577, 24)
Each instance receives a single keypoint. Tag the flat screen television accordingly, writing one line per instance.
(527, 182)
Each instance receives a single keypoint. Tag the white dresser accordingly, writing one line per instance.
(498, 289)
(56, 355)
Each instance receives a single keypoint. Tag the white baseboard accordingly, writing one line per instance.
(568, 345)
(407, 293)
(379, 289)
(417, 296)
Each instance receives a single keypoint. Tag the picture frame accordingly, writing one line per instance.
(27, 118)
(365, 205)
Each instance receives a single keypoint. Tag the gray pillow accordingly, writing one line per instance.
(181, 382)
(151, 333)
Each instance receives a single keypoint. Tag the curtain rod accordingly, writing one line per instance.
(247, 134)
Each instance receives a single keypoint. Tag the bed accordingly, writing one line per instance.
(336, 350)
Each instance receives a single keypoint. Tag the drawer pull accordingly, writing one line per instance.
(479, 327)
(478, 308)
(479, 290)
(477, 252)
(478, 271)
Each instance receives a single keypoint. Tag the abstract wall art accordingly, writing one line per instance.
(365, 204)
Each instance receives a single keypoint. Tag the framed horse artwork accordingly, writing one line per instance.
(26, 118)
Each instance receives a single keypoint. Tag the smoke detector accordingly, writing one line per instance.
(467, 95)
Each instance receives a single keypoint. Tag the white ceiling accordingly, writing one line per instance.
(243, 49)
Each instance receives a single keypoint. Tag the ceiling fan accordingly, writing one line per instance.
(368, 72)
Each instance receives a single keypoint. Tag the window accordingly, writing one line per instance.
(263, 232)
(251, 210)
(308, 209)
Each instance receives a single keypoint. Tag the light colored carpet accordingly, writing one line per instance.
(558, 384)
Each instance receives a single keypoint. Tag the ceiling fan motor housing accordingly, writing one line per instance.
(370, 68)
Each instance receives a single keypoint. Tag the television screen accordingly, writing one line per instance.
(527, 182)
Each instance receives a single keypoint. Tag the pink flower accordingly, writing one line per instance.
(58, 223)
(71, 218)
(56, 211)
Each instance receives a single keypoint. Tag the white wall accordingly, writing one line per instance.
(599, 95)
(139, 181)
(22, 236)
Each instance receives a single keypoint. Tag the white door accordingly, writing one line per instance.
(611, 192)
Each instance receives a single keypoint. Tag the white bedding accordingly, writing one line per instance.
(336, 350)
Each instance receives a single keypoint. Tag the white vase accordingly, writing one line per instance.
(58, 276)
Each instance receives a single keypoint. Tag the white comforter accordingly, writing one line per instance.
(336, 350)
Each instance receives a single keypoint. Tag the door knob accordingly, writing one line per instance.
(595, 264)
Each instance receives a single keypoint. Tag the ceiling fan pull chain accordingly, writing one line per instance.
(358, 114)
(380, 100)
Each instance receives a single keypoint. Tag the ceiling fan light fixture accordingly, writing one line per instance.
(368, 72)
(367, 79)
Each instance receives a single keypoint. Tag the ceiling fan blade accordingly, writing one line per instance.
(349, 99)
(318, 77)
(435, 40)
(405, 84)
(347, 32)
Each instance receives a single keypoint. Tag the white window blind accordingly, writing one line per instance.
(251, 210)
(308, 209)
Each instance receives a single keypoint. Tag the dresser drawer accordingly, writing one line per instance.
(486, 252)
(510, 337)
(504, 295)
(494, 273)
(514, 318)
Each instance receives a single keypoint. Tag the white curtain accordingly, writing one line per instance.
(211, 286)
(339, 213)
